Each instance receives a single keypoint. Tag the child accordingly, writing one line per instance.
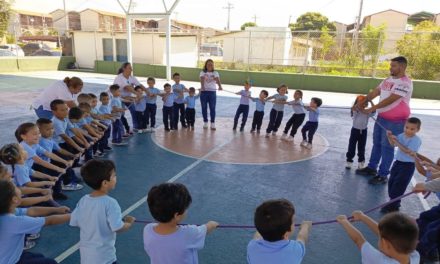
(17, 222)
(297, 118)
(79, 135)
(190, 112)
(167, 242)
(397, 238)
(275, 223)
(178, 106)
(403, 167)
(260, 102)
(151, 107)
(358, 135)
(117, 110)
(276, 114)
(140, 105)
(106, 110)
(98, 215)
(312, 125)
(243, 108)
(167, 110)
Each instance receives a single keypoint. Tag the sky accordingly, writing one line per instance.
(273, 13)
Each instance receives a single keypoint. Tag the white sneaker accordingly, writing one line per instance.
(140, 131)
(274, 133)
(308, 146)
(267, 135)
(152, 130)
(283, 136)
(289, 139)
(72, 187)
(205, 125)
(361, 165)
(29, 244)
(33, 236)
(303, 143)
(348, 165)
(213, 126)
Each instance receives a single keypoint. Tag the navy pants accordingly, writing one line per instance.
(294, 122)
(117, 130)
(167, 116)
(275, 119)
(141, 120)
(242, 109)
(429, 231)
(103, 142)
(208, 98)
(34, 258)
(357, 137)
(178, 114)
(257, 120)
(400, 176)
(150, 114)
(190, 114)
(311, 128)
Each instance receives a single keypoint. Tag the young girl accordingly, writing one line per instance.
(243, 108)
(209, 80)
(358, 135)
(297, 118)
(276, 114)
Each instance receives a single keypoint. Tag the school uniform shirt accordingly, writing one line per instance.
(314, 115)
(260, 251)
(122, 82)
(21, 174)
(190, 101)
(98, 219)
(74, 125)
(259, 105)
(152, 99)
(106, 109)
(177, 90)
(116, 101)
(371, 255)
(412, 143)
(244, 99)
(179, 247)
(61, 127)
(398, 110)
(49, 145)
(57, 90)
(297, 106)
(141, 105)
(169, 100)
(209, 81)
(32, 151)
(279, 107)
(13, 228)
(360, 120)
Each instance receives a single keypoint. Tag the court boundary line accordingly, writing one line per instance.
(67, 253)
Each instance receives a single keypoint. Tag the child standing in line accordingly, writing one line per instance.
(190, 112)
(312, 125)
(243, 108)
(408, 143)
(178, 106)
(275, 223)
(297, 118)
(358, 134)
(167, 110)
(97, 215)
(117, 110)
(140, 105)
(260, 102)
(106, 110)
(151, 107)
(276, 114)
(167, 242)
(397, 238)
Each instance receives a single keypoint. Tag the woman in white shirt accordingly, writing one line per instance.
(209, 79)
(65, 90)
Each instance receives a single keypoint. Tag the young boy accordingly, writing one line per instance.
(15, 223)
(151, 107)
(312, 125)
(275, 223)
(106, 111)
(403, 167)
(167, 242)
(178, 106)
(243, 108)
(140, 105)
(76, 118)
(117, 110)
(167, 110)
(397, 238)
(297, 118)
(98, 215)
(190, 111)
(260, 102)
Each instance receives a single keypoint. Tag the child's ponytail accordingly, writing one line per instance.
(10, 154)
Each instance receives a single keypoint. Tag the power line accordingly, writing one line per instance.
(229, 7)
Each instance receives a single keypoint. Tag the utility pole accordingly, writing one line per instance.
(229, 7)
(290, 19)
(255, 18)
(358, 24)
(66, 16)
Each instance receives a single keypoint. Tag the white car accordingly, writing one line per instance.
(14, 48)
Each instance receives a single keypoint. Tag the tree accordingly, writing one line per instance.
(422, 49)
(5, 15)
(371, 40)
(312, 21)
(248, 24)
(327, 41)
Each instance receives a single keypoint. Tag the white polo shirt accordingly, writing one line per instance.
(57, 90)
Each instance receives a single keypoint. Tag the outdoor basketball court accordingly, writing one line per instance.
(228, 174)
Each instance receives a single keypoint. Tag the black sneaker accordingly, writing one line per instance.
(378, 180)
(60, 196)
(108, 148)
(184, 126)
(241, 129)
(367, 171)
(252, 130)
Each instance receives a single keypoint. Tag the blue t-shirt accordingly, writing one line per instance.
(106, 109)
(32, 151)
(259, 105)
(141, 105)
(78, 124)
(260, 251)
(178, 90)
(179, 247)
(371, 255)
(98, 219)
(49, 145)
(297, 106)
(153, 91)
(168, 101)
(413, 143)
(244, 99)
(314, 115)
(88, 119)
(13, 229)
(190, 101)
(116, 101)
(279, 97)
(61, 127)
(21, 174)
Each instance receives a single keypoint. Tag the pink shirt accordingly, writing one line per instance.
(399, 110)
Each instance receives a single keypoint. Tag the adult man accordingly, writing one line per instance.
(395, 93)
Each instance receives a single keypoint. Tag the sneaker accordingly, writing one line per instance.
(108, 148)
(361, 165)
(59, 196)
(241, 129)
(135, 130)
(308, 146)
(29, 244)
(140, 131)
(205, 125)
(98, 154)
(119, 143)
(267, 135)
(274, 133)
(252, 130)
(378, 180)
(367, 171)
(348, 165)
(303, 143)
(72, 187)
(184, 126)
(258, 131)
(234, 129)
(289, 139)
(213, 126)
(283, 136)
(152, 130)
(130, 133)
(126, 135)
(33, 236)
(167, 129)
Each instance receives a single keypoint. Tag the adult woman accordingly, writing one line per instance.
(209, 79)
(65, 90)
(127, 82)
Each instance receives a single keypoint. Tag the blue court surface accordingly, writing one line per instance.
(320, 187)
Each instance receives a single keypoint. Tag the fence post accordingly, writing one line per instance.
(233, 52)
(273, 48)
(379, 43)
(249, 51)
(307, 53)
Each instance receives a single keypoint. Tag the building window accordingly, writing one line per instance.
(121, 50)
(107, 46)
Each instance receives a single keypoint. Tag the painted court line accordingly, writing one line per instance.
(141, 201)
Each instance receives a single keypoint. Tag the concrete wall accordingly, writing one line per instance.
(437, 19)
(395, 27)
(89, 20)
(8, 64)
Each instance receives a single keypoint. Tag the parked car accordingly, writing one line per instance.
(33, 47)
(14, 48)
(6, 53)
(45, 52)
